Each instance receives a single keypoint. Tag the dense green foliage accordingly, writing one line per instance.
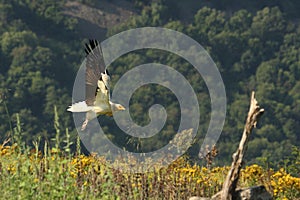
(256, 48)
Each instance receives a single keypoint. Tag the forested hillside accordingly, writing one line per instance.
(256, 46)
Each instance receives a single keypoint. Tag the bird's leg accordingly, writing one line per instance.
(84, 124)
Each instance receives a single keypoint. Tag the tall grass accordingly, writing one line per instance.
(53, 171)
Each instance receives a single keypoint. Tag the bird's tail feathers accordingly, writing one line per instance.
(80, 107)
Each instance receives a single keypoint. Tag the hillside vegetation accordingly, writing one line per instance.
(256, 46)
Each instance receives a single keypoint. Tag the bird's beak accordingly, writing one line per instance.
(122, 108)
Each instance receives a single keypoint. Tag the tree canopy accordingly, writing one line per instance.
(255, 46)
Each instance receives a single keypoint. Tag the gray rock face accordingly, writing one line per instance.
(252, 193)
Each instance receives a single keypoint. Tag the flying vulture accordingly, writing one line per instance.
(97, 95)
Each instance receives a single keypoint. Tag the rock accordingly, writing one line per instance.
(252, 193)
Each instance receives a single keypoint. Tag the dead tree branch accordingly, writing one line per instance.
(229, 186)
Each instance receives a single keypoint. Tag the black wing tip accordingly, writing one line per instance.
(93, 43)
(106, 71)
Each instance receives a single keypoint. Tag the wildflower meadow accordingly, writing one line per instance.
(57, 174)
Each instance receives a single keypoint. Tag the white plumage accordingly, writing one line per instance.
(80, 107)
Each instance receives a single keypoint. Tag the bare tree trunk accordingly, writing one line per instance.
(229, 186)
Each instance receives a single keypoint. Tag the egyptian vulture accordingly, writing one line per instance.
(97, 91)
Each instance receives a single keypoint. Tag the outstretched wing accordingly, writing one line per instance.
(96, 76)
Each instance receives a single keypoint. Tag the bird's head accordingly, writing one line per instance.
(118, 107)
